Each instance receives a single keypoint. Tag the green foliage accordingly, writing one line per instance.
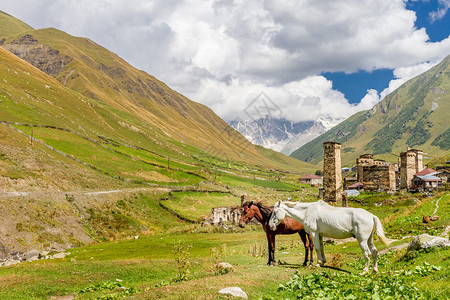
(348, 149)
(120, 291)
(443, 140)
(181, 251)
(420, 134)
(329, 285)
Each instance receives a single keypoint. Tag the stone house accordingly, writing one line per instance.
(311, 179)
(348, 181)
(356, 186)
(375, 174)
(427, 182)
(379, 178)
(443, 173)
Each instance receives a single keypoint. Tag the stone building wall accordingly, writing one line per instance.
(332, 173)
(419, 160)
(225, 214)
(363, 160)
(379, 177)
(410, 164)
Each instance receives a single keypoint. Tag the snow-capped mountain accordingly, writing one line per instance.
(280, 134)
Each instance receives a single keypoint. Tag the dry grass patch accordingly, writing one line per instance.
(11, 280)
(151, 176)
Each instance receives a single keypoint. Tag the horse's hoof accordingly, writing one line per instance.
(318, 265)
(364, 272)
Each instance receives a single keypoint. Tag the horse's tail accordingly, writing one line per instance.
(380, 231)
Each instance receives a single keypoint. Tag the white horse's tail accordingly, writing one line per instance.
(380, 232)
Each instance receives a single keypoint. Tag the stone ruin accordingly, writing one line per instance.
(225, 214)
(222, 214)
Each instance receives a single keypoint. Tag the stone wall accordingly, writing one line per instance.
(363, 160)
(225, 214)
(332, 173)
(379, 177)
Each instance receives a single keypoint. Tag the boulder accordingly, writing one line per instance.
(59, 255)
(224, 267)
(425, 241)
(31, 255)
(234, 291)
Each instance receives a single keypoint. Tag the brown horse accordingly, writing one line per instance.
(287, 226)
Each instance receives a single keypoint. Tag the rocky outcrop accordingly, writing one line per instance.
(29, 256)
(234, 291)
(41, 56)
(425, 241)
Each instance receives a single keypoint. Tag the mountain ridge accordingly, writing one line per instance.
(93, 71)
(414, 115)
(280, 134)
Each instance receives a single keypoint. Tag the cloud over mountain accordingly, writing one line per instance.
(224, 53)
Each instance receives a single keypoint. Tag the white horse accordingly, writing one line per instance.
(321, 219)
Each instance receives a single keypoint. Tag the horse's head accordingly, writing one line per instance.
(277, 216)
(247, 214)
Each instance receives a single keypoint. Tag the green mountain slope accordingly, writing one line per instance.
(415, 115)
(150, 106)
(11, 26)
(74, 170)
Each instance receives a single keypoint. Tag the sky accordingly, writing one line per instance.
(309, 58)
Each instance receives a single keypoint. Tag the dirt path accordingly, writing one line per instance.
(437, 206)
(90, 193)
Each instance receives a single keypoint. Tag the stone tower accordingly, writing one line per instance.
(419, 159)
(361, 162)
(410, 164)
(332, 172)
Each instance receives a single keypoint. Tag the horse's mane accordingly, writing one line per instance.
(290, 204)
(266, 211)
(299, 204)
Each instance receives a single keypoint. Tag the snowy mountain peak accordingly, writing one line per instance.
(280, 134)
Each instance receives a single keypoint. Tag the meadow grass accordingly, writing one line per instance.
(146, 267)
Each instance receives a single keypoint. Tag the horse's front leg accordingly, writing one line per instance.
(324, 260)
(318, 245)
(271, 246)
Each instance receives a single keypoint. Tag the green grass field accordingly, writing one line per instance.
(145, 268)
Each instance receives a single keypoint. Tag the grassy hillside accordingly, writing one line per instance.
(11, 26)
(127, 93)
(415, 115)
(60, 148)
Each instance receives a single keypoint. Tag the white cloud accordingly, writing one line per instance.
(224, 53)
(438, 14)
(401, 75)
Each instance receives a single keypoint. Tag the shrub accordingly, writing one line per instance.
(181, 251)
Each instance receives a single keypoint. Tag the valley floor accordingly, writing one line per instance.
(145, 268)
